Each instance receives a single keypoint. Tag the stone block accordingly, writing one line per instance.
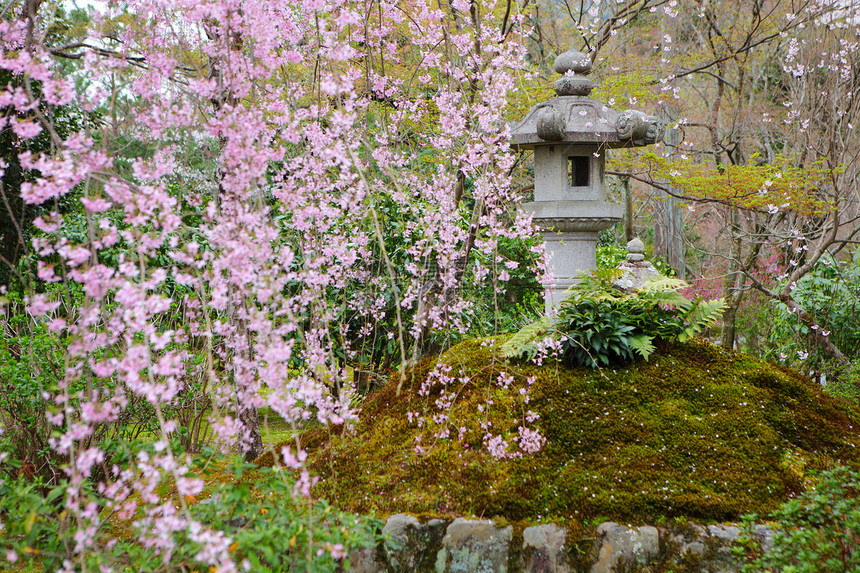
(691, 540)
(623, 547)
(544, 549)
(719, 558)
(765, 536)
(411, 545)
(474, 546)
(366, 560)
(725, 533)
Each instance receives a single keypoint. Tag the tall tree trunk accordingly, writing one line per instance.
(246, 414)
(669, 234)
(732, 290)
(669, 227)
(628, 209)
(251, 420)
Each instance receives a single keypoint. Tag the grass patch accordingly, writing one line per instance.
(273, 428)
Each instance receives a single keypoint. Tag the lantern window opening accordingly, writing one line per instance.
(579, 170)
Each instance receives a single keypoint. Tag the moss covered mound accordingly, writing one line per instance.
(699, 432)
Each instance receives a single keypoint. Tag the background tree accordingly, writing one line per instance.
(749, 147)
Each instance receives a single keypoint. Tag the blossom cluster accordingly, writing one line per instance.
(241, 257)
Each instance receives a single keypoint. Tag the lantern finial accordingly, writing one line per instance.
(574, 66)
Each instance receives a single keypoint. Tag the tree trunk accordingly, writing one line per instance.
(246, 414)
(628, 209)
(668, 234)
(251, 421)
(727, 331)
(732, 291)
(669, 226)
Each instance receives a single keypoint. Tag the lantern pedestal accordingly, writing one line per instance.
(570, 231)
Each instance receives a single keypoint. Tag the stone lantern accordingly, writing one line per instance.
(570, 135)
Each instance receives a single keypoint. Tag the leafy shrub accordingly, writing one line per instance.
(847, 384)
(251, 514)
(596, 332)
(817, 532)
(609, 256)
(664, 267)
(599, 325)
(31, 363)
(830, 293)
(274, 529)
(603, 326)
(32, 369)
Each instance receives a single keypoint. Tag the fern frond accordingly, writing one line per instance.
(709, 311)
(523, 342)
(643, 344)
(660, 284)
(664, 291)
(703, 314)
(671, 298)
(598, 283)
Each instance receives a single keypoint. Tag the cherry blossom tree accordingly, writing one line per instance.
(230, 241)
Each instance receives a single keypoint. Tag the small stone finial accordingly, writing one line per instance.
(572, 61)
(635, 271)
(635, 250)
(576, 84)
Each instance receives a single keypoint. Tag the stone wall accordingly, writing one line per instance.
(482, 546)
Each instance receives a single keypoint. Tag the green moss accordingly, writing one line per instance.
(699, 432)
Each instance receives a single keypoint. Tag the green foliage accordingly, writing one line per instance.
(31, 363)
(32, 366)
(502, 306)
(663, 267)
(816, 532)
(523, 344)
(609, 256)
(704, 314)
(15, 214)
(495, 305)
(276, 530)
(36, 528)
(643, 345)
(255, 508)
(595, 331)
(630, 88)
(831, 294)
(600, 326)
(847, 384)
(739, 184)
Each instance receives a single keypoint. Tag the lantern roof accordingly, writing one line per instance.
(572, 117)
